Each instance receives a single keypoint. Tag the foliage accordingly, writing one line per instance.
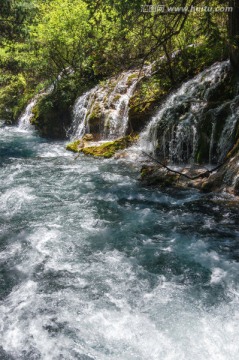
(52, 114)
(12, 88)
(187, 63)
(85, 41)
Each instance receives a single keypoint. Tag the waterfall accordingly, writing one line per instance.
(80, 110)
(24, 121)
(225, 143)
(212, 141)
(117, 122)
(104, 109)
(174, 131)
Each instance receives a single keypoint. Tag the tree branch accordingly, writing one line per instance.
(202, 175)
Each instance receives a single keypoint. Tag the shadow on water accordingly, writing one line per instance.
(4, 355)
(19, 146)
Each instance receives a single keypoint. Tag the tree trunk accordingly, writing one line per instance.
(234, 34)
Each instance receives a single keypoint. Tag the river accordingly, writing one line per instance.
(96, 266)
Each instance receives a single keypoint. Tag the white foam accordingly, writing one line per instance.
(13, 200)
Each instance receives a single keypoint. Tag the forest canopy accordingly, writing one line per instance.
(93, 40)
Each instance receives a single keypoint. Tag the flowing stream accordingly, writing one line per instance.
(96, 266)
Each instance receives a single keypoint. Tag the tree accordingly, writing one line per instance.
(13, 17)
(234, 34)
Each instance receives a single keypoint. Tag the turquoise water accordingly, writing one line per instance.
(95, 266)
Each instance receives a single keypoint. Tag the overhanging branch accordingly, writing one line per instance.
(202, 175)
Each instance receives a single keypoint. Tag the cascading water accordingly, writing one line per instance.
(108, 104)
(229, 128)
(24, 121)
(174, 132)
(80, 110)
(117, 122)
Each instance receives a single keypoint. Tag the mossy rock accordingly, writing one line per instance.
(95, 119)
(88, 137)
(53, 112)
(108, 149)
(75, 146)
(116, 98)
(131, 78)
(105, 150)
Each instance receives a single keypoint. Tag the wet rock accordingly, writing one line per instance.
(227, 177)
(236, 187)
(109, 148)
(154, 175)
(88, 137)
(96, 118)
(75, 146)
(213, 183)
(161, 177)
(121, 155)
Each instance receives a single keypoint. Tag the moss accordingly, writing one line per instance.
(151, 91)
(95, 111)
(75, 146)
(95, 118)
(105, 150)
(131, 78)
(53, 115)
(116, 98)
(108, 149)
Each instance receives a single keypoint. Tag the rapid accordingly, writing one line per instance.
(96, 266)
